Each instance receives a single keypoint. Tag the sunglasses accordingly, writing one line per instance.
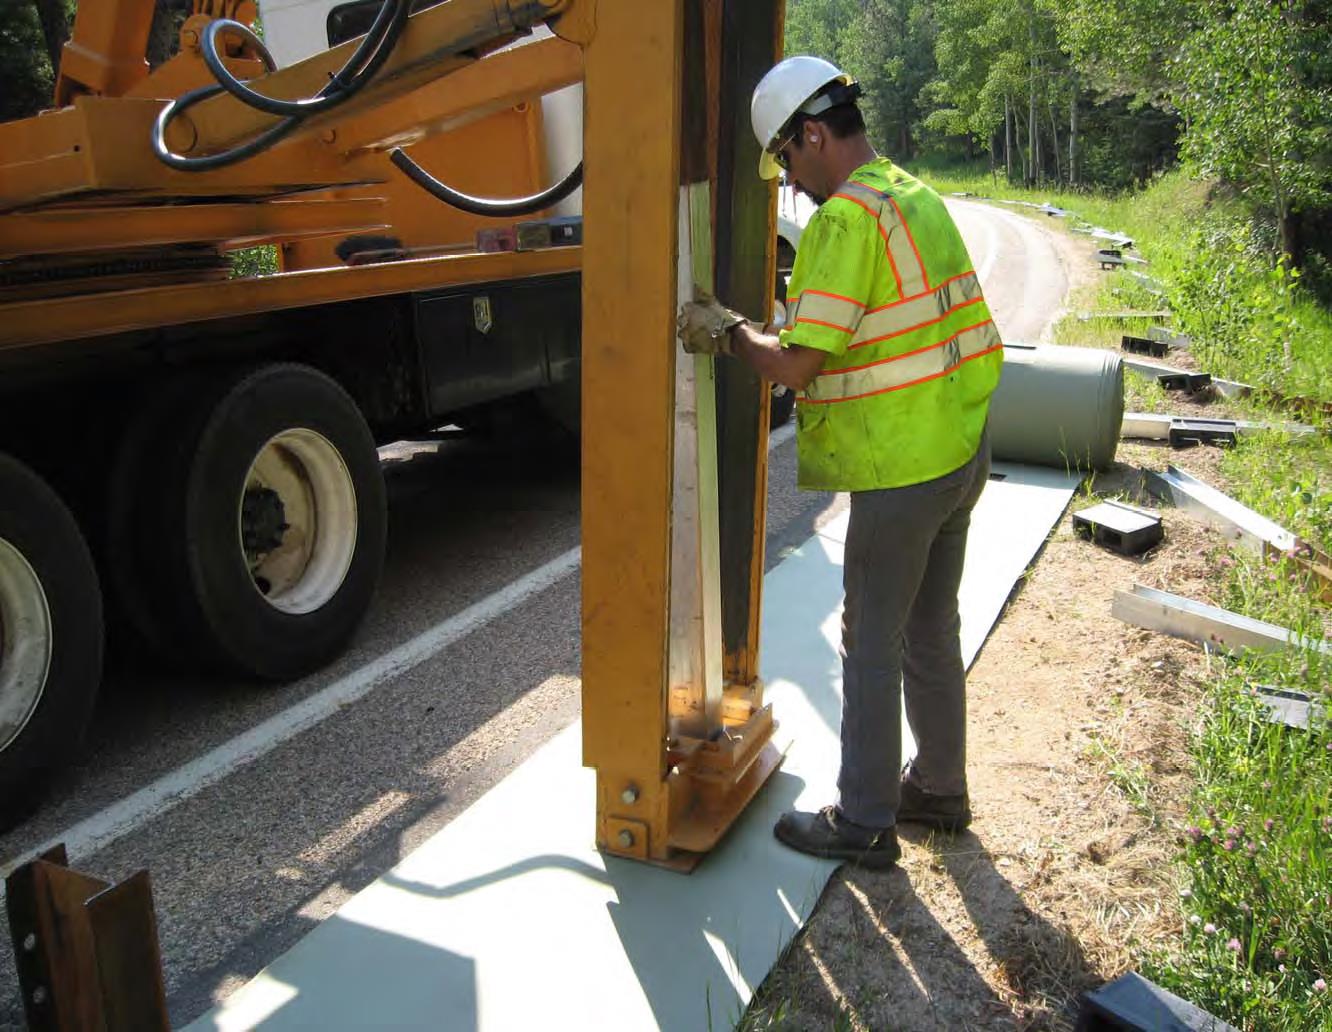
(778, 149)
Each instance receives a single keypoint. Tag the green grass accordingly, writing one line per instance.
(1249, 320)
(1255, 856)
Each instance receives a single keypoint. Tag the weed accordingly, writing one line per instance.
(1132, 778)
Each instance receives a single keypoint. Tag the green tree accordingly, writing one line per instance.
(1001, 77)
(26, 79)
(889, 47)
(820, 27)
(1256, 101)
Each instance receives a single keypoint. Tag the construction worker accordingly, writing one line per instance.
(893, 355)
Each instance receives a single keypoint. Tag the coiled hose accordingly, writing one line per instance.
(367, 59)
(360, 68)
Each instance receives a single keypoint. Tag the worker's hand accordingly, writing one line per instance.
(705, 325)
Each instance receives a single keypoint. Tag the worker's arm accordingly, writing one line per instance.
(792, 366)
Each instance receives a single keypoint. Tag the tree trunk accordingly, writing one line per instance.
(1033, 127)
(55, 28)
(1008, 136)
(1073, 133)
(1054, 142)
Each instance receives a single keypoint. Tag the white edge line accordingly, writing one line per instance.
(119, 819)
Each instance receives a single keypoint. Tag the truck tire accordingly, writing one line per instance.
(255, 533)
(50, 636)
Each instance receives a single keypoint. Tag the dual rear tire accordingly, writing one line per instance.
(250, 519)
(50, 636)
(243, 531)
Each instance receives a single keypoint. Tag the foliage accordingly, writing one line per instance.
(26, 79)
(254, 261)
(1254, 945)
(888, 45)
(1257, 115)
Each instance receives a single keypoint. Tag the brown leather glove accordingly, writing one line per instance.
(705, 325)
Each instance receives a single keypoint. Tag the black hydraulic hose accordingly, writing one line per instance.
(372, 52)
(487, 206)
(368, 57)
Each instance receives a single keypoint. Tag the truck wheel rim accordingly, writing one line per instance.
(25, 643)
(304, 565)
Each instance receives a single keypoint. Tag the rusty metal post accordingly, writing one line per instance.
(87, 951)
(751, 43)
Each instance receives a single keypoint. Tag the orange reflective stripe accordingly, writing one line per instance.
(858, 343)
(906, 228)
(802, 321)
(878, 218)
(914, 313)
(898, 371)
(946, 283)
(835, 297)
(897, 237)
(821, 308)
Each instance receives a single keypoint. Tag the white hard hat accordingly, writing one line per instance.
(790, 86)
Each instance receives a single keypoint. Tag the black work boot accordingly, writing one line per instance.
(829, 834)
(942, 812)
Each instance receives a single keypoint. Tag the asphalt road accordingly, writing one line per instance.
(259, 810)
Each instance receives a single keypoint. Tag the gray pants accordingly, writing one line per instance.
(900, 632)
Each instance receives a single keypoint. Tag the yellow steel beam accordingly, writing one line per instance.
(84, 147)
(434, 43)
(56, 231)
(495, 82)
(91, 147)
(105, 52)
(29, 323)
(632, 163)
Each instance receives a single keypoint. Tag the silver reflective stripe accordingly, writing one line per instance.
(903, 256)
(890, 374)
(918, 312)
(819, 308)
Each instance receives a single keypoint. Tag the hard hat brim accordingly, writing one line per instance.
(768, 167)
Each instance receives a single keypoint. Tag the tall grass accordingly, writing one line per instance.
(1255, 858)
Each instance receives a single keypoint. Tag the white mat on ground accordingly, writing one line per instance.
(508, 919)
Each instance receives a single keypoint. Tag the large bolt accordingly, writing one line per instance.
(626, 839)
(39, 995)
(29, 942)
(630, 795)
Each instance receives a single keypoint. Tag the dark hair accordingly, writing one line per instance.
(842, 120)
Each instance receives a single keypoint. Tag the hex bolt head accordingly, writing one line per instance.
(29, 942)
(626, 839)
(39, 995)
(630, 794)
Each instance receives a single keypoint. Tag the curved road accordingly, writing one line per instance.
(260, 810)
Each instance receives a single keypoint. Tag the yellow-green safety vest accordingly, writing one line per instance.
(883, 283)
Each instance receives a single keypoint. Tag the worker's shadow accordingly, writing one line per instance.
(1043, 963)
